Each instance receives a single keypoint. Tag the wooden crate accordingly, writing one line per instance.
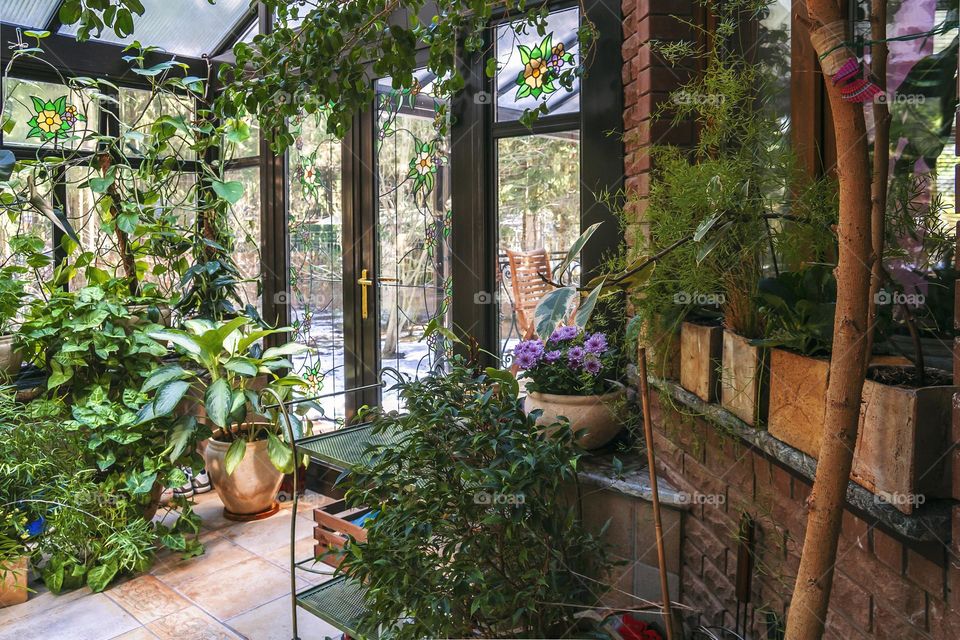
(334, 528)
(701, 347)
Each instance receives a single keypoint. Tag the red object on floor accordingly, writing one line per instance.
(633, 629)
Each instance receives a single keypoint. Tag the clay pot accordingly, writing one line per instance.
(13, 581)
(250, 492)
(701, 348)
(10, 358)
(594, 413)
(745, 382)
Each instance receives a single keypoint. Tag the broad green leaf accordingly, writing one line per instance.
(238, 448)
(280, 454)
(289, 349)
(163, 375)
(169, 396)
(181, 437)
(574, 251)
(586, 308)
(243, 366)
(508, 383)
(101, 576)
(552, 309)
(217, 400)
(230, 191)
(179, 338)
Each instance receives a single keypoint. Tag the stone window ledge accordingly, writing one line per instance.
(928, 523)
(632, 479)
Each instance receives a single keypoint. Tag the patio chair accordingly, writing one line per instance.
(529, 278)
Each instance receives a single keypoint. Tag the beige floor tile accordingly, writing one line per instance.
(263, 536)
(147, 599)
(238, 588)
(90, 617)
(210, 509)
(281, 558)
(137, 634)
(271, 621)
(218, 554)
(192, 624)
(39, 603)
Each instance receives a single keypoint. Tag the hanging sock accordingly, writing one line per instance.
(860, 90)
(848, 70)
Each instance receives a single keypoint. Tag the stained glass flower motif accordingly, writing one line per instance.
(54, 119)
(423, 165)
(541, 66)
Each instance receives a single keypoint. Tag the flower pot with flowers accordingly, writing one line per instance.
(571, 375)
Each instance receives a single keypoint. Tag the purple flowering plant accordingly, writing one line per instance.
(570, 362)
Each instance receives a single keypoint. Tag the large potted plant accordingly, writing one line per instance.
(12, 295)
(14, 557)
(224, 363)
(572, 374)
(473, 499)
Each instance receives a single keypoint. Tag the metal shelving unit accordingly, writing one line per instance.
(340, 600)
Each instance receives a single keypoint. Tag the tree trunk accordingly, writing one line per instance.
(881, 159)
(127, 260)
(811, 595)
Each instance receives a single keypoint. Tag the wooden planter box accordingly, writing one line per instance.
(334, 528)
(701, 348)
(901, 445)
(663, 356)
(13, 584)
(798, 399)
(744, 382)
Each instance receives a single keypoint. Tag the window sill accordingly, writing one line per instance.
(928, 523)
(633, 479)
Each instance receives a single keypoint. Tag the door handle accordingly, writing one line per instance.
(365, 284)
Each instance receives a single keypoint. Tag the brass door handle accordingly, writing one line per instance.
(365, 284)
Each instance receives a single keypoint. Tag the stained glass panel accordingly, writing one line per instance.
(49, 114)
(528, 66)
(316, 261)
(413, 226)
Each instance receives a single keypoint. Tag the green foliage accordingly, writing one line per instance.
(323, 61)
(12, 296)
(474, 531)
(226, 365)
(799, 309)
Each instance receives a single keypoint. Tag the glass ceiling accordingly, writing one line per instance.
(32, 14)
(187, 27)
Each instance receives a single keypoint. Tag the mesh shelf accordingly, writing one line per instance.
(344, 448)
(340, 602)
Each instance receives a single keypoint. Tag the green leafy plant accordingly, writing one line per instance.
(472, 532)
(228, 368)
(569, 362)
(13, 294)
(799, 309)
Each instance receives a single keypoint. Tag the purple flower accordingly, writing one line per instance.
(564, 333)
(591, 364)
(552, 356)
(597, 343)
(575, 355)
(526, 360)
(534, 347)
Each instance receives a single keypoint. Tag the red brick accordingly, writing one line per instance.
(851, 599)
(888, 550)
(928, 570)
(711, 544)
(889, 624)
(839, 627)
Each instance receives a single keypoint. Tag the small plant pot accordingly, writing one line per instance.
(745, 382)
(10, 358)
(13, 581)
(798, 399)
(141, 312)
(250, 492)
(902, 436)
(701, 348)
(663, 357)
(597, 414)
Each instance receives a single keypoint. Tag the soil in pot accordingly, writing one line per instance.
(597, 414)
(250, 492)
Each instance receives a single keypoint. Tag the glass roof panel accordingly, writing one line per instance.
(34, 14)
(189, 27)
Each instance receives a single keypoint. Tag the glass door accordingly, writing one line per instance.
(412, 223)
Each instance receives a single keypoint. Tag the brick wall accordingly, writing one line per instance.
(883, 587)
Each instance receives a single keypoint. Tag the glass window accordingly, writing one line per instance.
(29, 226)
(190, 27)
(316, 260)
(528, 66)
(244, 220)
(538, 187)
(49, 114)
(140, 110)
(774, 56)
(33, 14)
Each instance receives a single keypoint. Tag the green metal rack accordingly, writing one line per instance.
(340, 602)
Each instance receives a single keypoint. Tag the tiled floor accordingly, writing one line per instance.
(239, 588)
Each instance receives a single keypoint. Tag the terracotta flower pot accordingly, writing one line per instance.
(745, 382)
(701, 348)
(13, 582)
(10, 358)
(798, 399)
(250, 492)
(594, 413)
